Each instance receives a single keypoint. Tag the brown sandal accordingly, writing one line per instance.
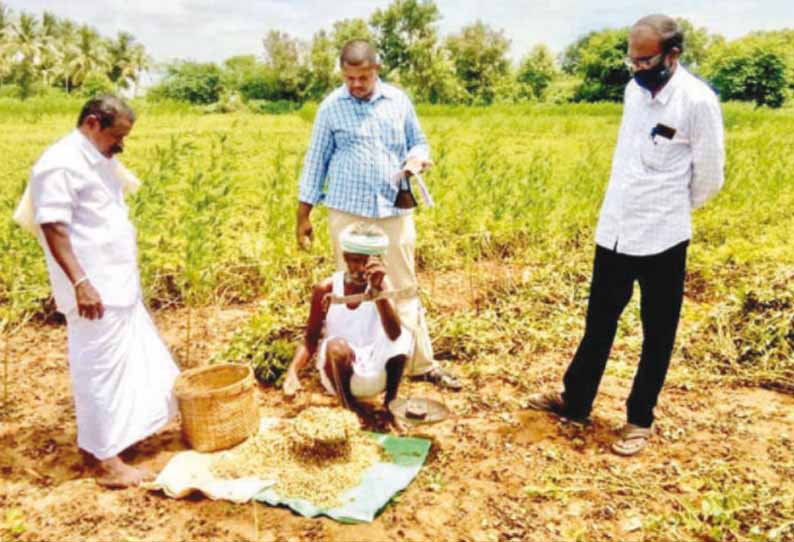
(550, 401)
(440, 378)
(633, 439)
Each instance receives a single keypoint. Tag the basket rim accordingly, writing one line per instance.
(247, 381)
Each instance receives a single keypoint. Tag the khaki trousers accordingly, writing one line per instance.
(400, 268)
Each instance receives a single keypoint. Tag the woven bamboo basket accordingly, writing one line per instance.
(217, 405)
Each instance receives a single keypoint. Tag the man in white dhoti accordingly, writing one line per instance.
(122, 373)
(354, 328)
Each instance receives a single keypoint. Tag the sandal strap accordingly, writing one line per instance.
(440, 377)
(633, 432)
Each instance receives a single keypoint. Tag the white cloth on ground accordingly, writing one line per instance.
(74, 184)
(122, 379)
(362, 329)
(191, 471)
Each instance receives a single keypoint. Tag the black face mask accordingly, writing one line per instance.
(653, 78)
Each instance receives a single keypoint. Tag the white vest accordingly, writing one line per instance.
(360, 327)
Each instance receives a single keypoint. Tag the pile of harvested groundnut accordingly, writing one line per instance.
(320, 433)
(316, 456)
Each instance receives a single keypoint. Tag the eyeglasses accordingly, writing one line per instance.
(642, 63)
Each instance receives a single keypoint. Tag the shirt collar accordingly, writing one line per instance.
(667, 90)
(90, 152)
(381, 91)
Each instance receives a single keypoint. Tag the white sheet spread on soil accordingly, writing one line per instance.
(190, 471)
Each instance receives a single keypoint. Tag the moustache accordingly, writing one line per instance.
(116, 149)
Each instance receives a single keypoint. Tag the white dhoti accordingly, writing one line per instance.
(369, 363)
(362, 330)
(122, 379)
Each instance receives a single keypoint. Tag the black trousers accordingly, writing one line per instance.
(661, 279)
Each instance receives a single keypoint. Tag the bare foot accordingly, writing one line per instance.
(291, 384)
(399, 427)
(119, 475)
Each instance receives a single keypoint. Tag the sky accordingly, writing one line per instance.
(209, 30)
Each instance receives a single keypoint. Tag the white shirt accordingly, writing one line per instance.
(656, 181)
(73, 183)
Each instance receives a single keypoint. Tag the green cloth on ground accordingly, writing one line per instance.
(378, 486)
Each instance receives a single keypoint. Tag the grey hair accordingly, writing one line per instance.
(106, 108)
(667, 28)
(358, 52)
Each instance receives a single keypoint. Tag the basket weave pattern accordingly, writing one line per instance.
(218, 406)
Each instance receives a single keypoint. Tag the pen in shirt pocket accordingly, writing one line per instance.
(662, 130)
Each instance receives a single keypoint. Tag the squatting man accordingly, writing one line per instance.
(364, 349)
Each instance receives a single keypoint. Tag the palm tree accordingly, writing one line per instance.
(5, 48)
(91, 55)
(26, 39)
(57, 51)
(127, 59)
(141, 62)
(51, 55)
(67, 46)
(5, 20)
(26, 51)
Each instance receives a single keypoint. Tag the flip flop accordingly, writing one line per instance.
(633, 439)
(440, 378)
(550, 401)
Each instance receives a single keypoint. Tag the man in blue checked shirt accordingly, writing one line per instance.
(366, 132)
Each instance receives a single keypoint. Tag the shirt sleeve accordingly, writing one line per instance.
(708, 152)
(415, 139)
(315, 164)
(54, 196)
(621, 152)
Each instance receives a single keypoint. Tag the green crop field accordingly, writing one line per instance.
(519, 186)
(520, 105)
(504, 263)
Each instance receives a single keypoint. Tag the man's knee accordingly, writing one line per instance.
(338, 350)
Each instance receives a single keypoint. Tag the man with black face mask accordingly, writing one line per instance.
(669, 160)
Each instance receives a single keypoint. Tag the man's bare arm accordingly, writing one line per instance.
(306, 350)
(304, 231)
(319, 308)
(89, 304)
(376, 275)
(389, 318)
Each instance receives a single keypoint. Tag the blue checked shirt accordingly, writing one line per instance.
(357, 147)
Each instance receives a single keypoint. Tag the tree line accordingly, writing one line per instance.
(39, 54)
(469, 67)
